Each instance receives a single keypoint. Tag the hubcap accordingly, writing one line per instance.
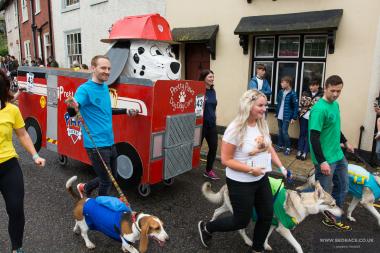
(124, 166)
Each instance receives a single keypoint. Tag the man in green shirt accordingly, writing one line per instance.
(326, 153)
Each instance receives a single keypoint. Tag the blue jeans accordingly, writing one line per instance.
(337, 182)
(303, 141)
(102, 180)
(283, 136)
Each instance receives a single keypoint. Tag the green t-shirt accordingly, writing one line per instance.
(325, 118)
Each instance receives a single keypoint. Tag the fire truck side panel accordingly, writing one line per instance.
(179, 117)
(32, 104)
(135, 130)
(70, 141)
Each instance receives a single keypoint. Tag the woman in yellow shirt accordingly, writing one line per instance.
(11, 178)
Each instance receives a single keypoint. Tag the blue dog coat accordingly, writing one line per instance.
(103, 214)
(359, 178)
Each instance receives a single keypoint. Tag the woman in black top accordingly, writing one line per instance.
(209, 122)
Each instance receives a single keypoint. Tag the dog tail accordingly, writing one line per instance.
(69, 187)
(213, 197)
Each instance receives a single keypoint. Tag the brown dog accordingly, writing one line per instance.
(145, 226)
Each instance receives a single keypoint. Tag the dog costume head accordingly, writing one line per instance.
(153, 60)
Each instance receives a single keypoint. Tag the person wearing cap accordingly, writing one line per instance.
(259, 82)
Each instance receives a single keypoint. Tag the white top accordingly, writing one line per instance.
(259, 83)
(241, 154)
(281, 111)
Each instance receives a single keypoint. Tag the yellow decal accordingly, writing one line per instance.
(42, 102)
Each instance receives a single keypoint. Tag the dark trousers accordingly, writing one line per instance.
(245, 196)
(283, 136)
(303, 140)
(211, 136)
(102, 180)
(12, 189)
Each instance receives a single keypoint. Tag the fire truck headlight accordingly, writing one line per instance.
(197, 136)
(157, 147)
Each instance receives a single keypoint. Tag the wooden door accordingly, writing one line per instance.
(197, 58)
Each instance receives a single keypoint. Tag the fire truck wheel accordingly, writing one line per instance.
(34, 131)
(62, 159)
(128, 165)
(144, 190)
(169, 182)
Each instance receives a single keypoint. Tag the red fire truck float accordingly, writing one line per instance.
(161, 142)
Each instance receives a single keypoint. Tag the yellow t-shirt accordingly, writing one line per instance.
(10, 118)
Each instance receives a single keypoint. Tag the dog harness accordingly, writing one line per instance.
(102, 218)
(359, 178)
(280, 214)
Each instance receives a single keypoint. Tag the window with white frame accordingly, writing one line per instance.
(68, 3)
(15, 8)
(73, 47)
(38, 6)
(47, 46)
(39, 46)
(300, 56)
(24, 10)
(28, 56)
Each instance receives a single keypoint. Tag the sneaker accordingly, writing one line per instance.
(299, 154)
(303, 156)
(80, 188)
(287, 151)
(279, 148)
(20, 250)
(338, 225)
(211, 174)
(203, 234)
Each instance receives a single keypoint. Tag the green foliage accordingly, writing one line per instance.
(3, 45)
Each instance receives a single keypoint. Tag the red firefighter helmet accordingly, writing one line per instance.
(146, 27)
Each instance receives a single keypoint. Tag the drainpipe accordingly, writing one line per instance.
(19, 33)
(34, 28)
(50, 30)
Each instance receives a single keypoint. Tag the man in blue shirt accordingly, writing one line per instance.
(93, 101)
(258, 82)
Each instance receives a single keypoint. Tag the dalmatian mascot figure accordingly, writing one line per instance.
(141, 49)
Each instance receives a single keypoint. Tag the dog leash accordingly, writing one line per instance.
(123, 198)
(288, 177)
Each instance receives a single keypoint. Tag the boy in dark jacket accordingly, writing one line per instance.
(286, 113)
(308, 99)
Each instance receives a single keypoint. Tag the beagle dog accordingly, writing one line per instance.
(120, 223)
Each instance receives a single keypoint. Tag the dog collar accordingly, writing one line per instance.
(139, 217)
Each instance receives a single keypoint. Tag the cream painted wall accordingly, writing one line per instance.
(354, 59)
(93, 19)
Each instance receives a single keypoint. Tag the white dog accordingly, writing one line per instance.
(363, 186)
(297, 207)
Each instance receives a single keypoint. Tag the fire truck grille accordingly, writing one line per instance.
(180, 130)
(178, 160)
(178, 144)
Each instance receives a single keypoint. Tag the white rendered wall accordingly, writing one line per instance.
(94, 18)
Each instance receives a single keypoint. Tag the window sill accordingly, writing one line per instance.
(70, 8)
(95, 2)
(37, 12)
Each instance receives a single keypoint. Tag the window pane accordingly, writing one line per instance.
(312, 71)
(289, 46)
(264, 47)
(286, 69)
(315, 46)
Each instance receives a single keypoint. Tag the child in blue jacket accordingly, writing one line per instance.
(286, 113)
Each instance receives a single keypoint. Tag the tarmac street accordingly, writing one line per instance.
(49, 222)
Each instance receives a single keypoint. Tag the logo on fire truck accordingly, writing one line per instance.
(178, 96)
(73, 128)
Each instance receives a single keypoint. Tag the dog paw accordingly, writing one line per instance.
(90, 245)
(351, 218)
(267, 247)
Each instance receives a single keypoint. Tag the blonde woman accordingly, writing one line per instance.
(246, 177)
